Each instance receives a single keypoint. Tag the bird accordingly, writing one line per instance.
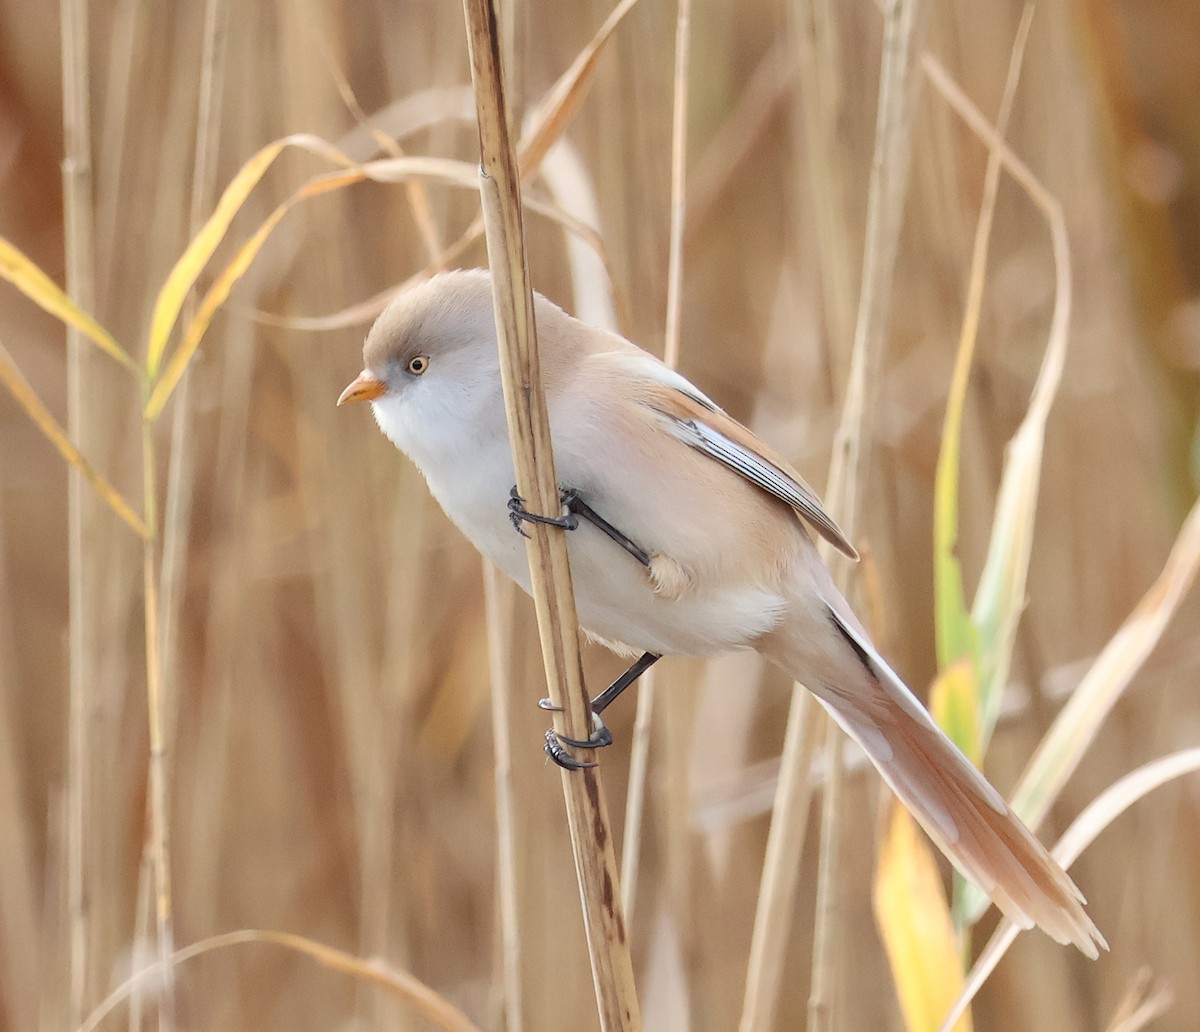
(688, 535)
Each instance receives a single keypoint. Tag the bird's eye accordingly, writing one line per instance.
(418, 364)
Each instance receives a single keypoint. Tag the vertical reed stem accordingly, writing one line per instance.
(822, 1000)
(885, 205)
(639, 755)
(899, 83)
(497, 601)
(158, 831)
(78, 228)
(529, 430)
(177, 515)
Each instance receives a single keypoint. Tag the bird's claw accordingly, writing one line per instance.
(558, 753)
(518, 514)
(601, 738)
(556, 744)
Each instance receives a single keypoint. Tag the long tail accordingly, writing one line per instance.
(963, 814)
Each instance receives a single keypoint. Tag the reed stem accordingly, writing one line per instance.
(529, 430)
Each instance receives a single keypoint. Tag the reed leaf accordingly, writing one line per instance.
(914, 922)
(434, 1008)
(390, 170)
(25, 396)
(31, 281)
(954, 703)
(1084, 830)
(204, 244)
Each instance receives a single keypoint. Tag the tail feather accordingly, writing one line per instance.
(961, 812)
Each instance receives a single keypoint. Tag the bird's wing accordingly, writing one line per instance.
(693, 417)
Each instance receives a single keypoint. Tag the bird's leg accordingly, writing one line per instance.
(601, 735)
(574, 509)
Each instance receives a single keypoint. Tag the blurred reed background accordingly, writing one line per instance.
(329, 752)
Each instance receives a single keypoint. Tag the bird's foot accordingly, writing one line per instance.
(574, 509)
(556, 744)
(518, 514)
(601, 736)
(558, 753)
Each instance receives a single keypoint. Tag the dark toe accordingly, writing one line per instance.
(556, 752)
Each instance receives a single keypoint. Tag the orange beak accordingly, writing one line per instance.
(363, 387)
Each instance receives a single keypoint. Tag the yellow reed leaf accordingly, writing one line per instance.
(914, 922)
(550, 118)
(1078, 723)
(954, 703)
(193, 260)
(391, 170)
(25, 275)
(20, 388)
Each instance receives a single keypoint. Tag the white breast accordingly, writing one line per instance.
(468, 466)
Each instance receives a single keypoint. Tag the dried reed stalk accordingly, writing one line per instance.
(889, 175)
(78, 216)
(529, 429)
(77, 184)
(781, 865)
(827, 940)
(176, 523)
(679, 110)
(639, 755)
(158, 832)
(21, 920)
(177, 511)
(435, 1009)
(498, 607)
(899, 85)
(497, 601)
(814, 27)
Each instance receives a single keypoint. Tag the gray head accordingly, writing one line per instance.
(445, 314)
(430, 367)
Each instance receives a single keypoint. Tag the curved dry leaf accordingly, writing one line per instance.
(430, 1005)
(1000, 596)
(1074, 729)
(1099, 814)
(1076, 725)
(363, 312)
(195, 257)
(25, 396)
(570, 184)
(957, 635)
(550, 118)
(386, 171)
(358, 314)
(411, 114)
(547, 122)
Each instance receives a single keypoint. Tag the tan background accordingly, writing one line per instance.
(331, 760)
